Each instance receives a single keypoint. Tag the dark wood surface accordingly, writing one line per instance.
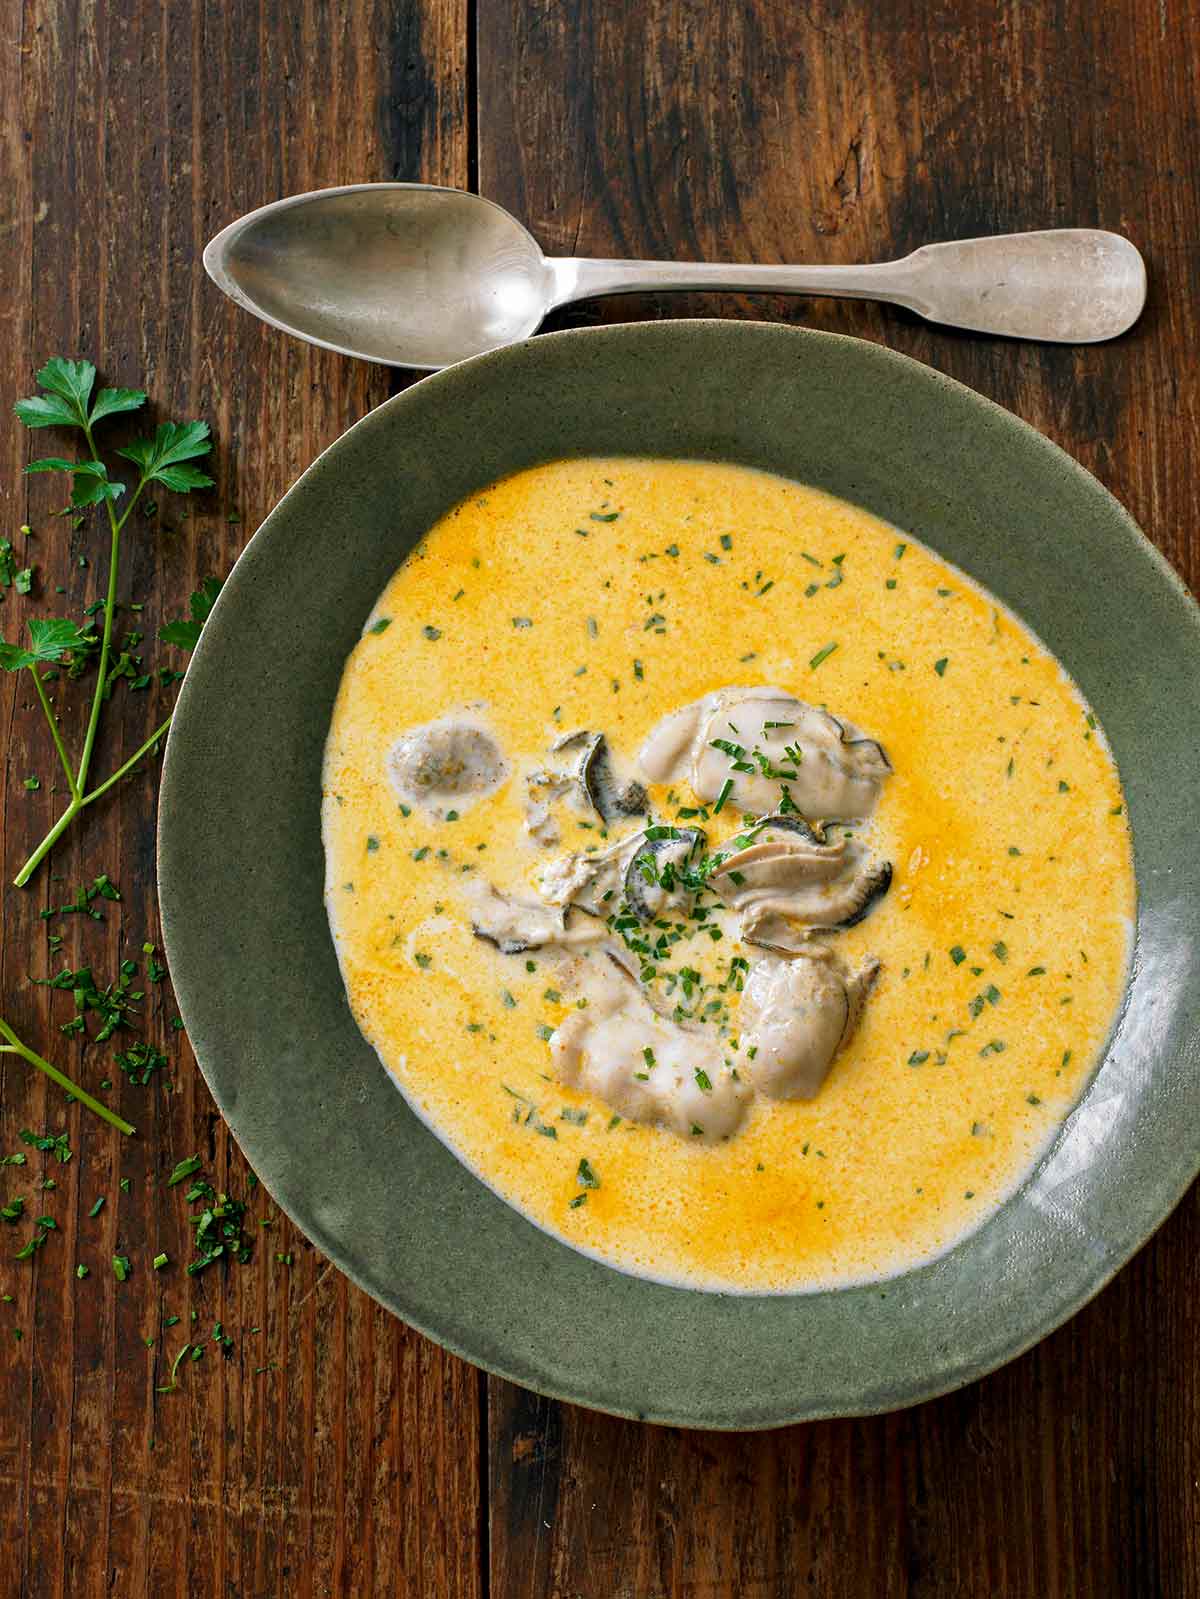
(362, 1460)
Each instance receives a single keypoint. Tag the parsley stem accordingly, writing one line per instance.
(47, 844)
(79, 778)
(54, 733)
(110, 605)
(16, 1047)
(78, 801)
(127, 765)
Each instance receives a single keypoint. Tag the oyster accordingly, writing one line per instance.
(653, 882)
(786, 882)
(766, 743)
(515, 925)
(645, 1066)
(604, 794)
(446, 765)
(795, 1016)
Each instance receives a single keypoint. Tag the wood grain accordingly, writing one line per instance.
(336, 1452)
(838, 132)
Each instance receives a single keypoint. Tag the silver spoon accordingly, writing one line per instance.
(417, 276)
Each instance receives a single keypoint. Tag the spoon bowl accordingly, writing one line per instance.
(416, 276)
(403, 274)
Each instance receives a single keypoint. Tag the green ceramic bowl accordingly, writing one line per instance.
(241, 870)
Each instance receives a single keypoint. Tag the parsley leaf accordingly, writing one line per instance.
(185, 632)
(50, 639)
(69, 385)
(162, 459)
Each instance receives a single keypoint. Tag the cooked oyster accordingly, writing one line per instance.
(768, 743)
(644, 1065)
(786, 883)
(515, 925)
(592, 880)
(446, 765)
(653, 883)
(598, 782)
(795, 1016)
(542, 789)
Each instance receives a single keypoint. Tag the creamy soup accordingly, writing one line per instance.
(736, 887)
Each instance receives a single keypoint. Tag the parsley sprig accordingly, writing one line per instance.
(67, 400)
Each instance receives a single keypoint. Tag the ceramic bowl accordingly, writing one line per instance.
(241, 870)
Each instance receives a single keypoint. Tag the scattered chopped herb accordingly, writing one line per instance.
(139, 1062)
(585, 1176)
(381, 626)
(822, 655)
(121, 1267)
(160, 1261)
(958, 954)
(185, 1168)
(49, 1143)
(431, 633)
(574, 1204)
(1000, 950)
(940, 666)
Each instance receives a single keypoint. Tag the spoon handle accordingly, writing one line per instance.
(1063, 285)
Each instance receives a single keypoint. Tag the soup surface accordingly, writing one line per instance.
(601, 596)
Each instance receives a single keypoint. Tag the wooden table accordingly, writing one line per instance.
(336, 1452)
